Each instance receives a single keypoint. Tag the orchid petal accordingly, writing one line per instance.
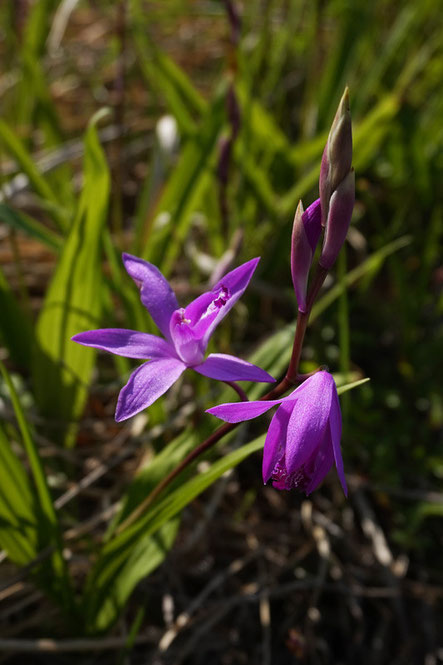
(155, 292)
(236, 412)
(301, 258)
(309, 419)
(312, 223)
(206, 311)
(229, 368)
(127, 343)
(324, 459)
(273, 449)
(146, 384)
(335, 429)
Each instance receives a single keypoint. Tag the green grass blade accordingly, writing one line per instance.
(18, 523)
(61, 368)
(34, 229)
(15, 327)
(351, 386)
(17, 150)
(134, 564)
(53, 576)
(184, 191)
(166, 78)
(156, 526)
(31, 450)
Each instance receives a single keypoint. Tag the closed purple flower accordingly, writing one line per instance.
(303, 440)
(337, 155)
(186, 330)
(339, 218)
(305, 235)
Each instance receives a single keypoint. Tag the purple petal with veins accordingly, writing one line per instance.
(322, 462)
(312, 223)
(156, 293)
(274, 448)
(206, 312)
(335, 428)
(309, 420)
(236, 412)
(126, 343)
(146, 384)
(229, 368)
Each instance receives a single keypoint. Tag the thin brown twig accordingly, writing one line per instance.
(48, 645)
(185, 617)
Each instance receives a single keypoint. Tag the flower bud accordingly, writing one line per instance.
(339, 218)
(337, 155)
(305, 234)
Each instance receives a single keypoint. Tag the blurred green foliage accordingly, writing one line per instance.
(288, 72)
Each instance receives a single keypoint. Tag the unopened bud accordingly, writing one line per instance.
(337, 156)
(339, 218)
(305, 234)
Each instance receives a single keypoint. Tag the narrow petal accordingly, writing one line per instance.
(324, 459)
(146, 384)
(229, 368)
(301, 258)
(236, 412)
(325, 185)
(341, 205)
(335, 429)
(206, 311)
(312, 223)
(155, 291)
(309, 419)
(128, 343)
(275, 441)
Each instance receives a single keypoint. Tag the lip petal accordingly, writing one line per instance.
(156, 293)
(127, 343)
(146, 385)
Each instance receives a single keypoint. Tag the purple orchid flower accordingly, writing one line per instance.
(187, 332)
(303, 439)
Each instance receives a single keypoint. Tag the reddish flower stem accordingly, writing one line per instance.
(240, 392)
(292, 377)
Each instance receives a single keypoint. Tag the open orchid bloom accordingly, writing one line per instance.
(186, 330)
(303, 440)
